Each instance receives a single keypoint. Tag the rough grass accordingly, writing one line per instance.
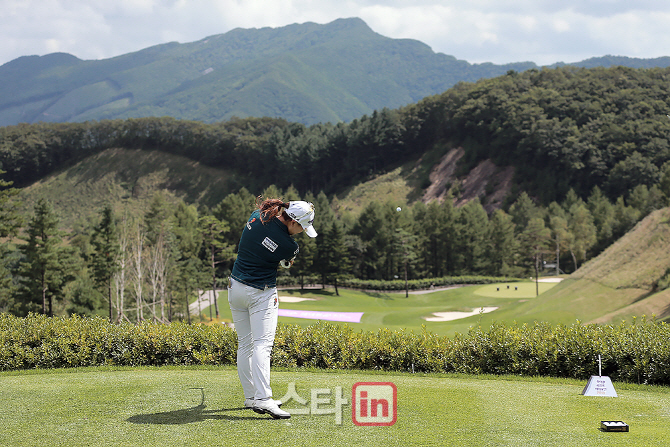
(572, 300)
(657, 304)
(204, 406)
(390, 187)
(637, 260)
(117, 175)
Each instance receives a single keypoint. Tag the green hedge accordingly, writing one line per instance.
(636, 352)
(41, 342)
(413, 284)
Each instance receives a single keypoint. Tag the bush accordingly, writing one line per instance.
(41, 342)
(412, 284)
(631, 352)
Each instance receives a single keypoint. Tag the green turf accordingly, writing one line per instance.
(203, 406)
(573, 299)
(397, 312)
(513, 290)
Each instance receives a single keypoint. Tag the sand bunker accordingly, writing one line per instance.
(550, 280)
(293, 299)
(449, 316)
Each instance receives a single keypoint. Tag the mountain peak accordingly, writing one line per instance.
(306, 73)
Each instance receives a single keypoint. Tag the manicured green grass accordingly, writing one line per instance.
(513, 290)
(204, 406)
(397, 312)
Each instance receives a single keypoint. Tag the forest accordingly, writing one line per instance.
(589, 148)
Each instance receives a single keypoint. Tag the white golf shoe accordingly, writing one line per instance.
(269, 406)
(249, 403)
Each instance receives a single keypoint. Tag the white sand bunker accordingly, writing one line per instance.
(293, 299)
(449, 316)
(550, 280)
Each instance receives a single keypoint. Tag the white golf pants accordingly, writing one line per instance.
(255, 317)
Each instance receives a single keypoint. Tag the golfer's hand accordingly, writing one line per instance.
(287, 264)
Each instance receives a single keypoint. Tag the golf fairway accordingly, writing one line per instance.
(204, 406)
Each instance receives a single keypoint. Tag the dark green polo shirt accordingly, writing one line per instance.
(261, 248)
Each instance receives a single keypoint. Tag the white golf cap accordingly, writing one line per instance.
(303, 213)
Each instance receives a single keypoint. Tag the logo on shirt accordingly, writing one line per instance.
(270, 244)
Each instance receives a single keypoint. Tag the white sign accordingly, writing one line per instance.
(599, 386)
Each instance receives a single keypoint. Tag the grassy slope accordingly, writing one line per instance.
(203, 406)
(617, 284)
(390, 186)
(583, 300)
(124, 177)
(638, 259)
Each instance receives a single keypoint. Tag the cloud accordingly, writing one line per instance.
(543, 31)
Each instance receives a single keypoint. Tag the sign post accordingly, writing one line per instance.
(599, 385)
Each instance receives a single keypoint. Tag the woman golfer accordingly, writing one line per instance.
(266, 243)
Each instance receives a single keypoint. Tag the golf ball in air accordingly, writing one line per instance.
(398, 209)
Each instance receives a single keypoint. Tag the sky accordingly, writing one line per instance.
(498, 31)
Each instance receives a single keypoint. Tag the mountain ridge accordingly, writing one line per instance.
(307, 73)
(212, 79)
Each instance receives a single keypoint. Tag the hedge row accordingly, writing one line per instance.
(632, 352)
(413, 284)
(38, 341)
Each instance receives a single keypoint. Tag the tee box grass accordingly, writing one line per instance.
(195, 406)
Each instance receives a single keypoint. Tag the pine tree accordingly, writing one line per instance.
(235, 209)
(10, 218)
(304, 262)
(8, 302)
(405, 246)
(561, 236)
(580, 223)
(44, 271)
(522, 211)
(534, 242)
(104, 261)
(331, 254)
(10, 222)
(472, 236)
(218, 250)
(602, 211)
(503, 246)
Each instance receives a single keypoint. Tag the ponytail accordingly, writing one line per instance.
(271, 208)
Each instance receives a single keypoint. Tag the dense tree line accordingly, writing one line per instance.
(136, 268)
(589, 146)
(564, 128)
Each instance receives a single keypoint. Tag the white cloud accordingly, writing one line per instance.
(543, 31)
(561, 25)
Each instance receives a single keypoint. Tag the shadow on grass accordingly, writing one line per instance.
(379, 295)
(190, 415)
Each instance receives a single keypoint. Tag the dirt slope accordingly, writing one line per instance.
(487, 181)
